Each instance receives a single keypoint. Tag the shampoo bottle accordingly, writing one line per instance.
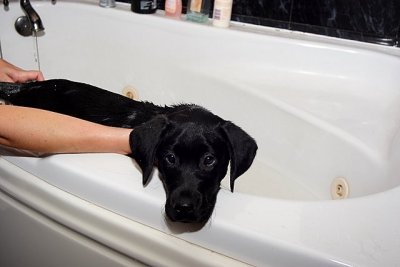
(222, 13)
(173, 8)
(198, 10)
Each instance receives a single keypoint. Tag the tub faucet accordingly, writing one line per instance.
(32, 15)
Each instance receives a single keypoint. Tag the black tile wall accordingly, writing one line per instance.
(365, 20)
(375, 21)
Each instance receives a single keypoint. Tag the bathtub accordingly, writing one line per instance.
(323, 190)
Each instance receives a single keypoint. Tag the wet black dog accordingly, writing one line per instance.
(190, 146)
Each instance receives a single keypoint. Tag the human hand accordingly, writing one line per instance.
(11, 73)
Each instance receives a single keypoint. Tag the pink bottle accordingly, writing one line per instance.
(173, 8)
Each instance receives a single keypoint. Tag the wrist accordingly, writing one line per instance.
(120, 144)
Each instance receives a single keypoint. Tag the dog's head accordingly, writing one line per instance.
(192, 148)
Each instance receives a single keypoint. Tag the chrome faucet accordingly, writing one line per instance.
(32, 15)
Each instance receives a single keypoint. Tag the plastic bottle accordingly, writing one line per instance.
(198, 10)
(144, 6)
(173, 8)
(222, 13)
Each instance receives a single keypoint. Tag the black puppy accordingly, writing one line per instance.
(190, 146)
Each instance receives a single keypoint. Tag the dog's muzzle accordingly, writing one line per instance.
(186, 207)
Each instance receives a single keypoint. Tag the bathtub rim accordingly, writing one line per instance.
(65, 208)
(126, 236)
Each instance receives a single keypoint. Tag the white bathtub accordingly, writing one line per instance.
(320, 108)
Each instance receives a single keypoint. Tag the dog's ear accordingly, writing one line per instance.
(242, 149)
(144, 141)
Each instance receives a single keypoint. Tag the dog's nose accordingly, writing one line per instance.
(184, 208)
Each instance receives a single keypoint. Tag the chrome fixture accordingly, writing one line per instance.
(23, 26)
(32, 15)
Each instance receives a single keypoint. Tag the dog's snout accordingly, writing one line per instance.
(184, 211)
(187, 202)
(184, 208)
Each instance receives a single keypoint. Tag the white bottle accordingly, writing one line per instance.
(222, 13)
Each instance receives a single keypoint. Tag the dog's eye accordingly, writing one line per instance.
(209, 160)
(170, 159)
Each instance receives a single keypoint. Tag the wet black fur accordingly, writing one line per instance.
(190, 146)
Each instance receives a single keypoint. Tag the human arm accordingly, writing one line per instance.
(48, 132)
(11, 73)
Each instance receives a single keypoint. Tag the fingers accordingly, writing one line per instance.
(11, 73)
(32, 75)
(5, 78)
(21, 76)
(40, 76)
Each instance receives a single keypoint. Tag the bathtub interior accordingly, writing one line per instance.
(317, 110)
